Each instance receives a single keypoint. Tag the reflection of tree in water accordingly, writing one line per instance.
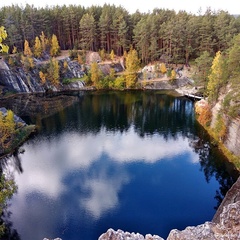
(148, 112)
(7, 189)
(213, 164)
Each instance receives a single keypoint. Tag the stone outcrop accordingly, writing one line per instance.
(232, 197)
(121, 235)
(225, 224)
(232, 141)
(15, 79)
(227, 228)
(52, 239)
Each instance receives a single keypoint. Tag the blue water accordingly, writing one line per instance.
(136, 161)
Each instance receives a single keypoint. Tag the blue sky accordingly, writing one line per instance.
(232, 6)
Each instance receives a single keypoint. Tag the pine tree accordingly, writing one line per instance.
(203, 64)
(234, 58)
(88, 32)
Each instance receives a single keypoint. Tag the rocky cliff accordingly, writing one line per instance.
(16, 79)
(232, 141)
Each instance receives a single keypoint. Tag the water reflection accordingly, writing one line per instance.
(112, 160)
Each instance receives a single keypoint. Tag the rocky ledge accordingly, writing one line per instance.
(225, 224)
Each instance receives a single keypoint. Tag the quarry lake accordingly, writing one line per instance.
(136, 161)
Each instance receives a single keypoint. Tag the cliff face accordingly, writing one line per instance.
(232, 141)
(17, 80)
(224, 128)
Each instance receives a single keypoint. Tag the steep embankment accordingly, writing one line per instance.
(223, 128)
(17, 79)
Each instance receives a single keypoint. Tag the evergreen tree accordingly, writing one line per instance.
(141, 39)
(88, 32)
(234, 58)
(203, 64)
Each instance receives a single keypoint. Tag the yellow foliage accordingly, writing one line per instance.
(54, 69)
(215, 78)
(132, 67)
(3, 36)
(27, 49)
(163, 68)
(95, 73)
(14, 50)
(65, 65)
(37, 47)
(173, 74)
(55, 48)
(80, 60)
(7, 128)
(42, 77)
(112, 55)
(204, 113)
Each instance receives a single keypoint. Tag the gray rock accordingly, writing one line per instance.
(52, 239)
(227, 228)
(121, 235)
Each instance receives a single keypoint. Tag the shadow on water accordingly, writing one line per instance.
(149, 113)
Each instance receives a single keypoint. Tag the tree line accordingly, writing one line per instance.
(180, 37)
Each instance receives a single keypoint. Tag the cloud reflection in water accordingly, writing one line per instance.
(48, 163)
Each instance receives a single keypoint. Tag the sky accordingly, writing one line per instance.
(191, 6)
